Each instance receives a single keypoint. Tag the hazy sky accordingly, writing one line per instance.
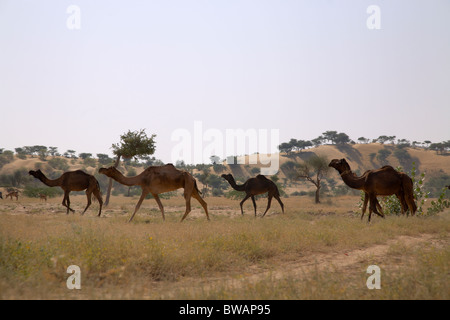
(300, 67)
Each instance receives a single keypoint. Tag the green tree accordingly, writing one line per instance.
(286, 147)
(330, 136)
(53, 151)
(133, 144)
(104, 159)
(341, 138)
(363, 140)
(314, 170)
(85, 155)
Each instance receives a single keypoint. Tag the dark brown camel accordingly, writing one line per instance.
(385, 181)
(255, 186)
(73, 181)
(160, 179)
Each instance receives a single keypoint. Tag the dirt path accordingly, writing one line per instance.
(336, 261)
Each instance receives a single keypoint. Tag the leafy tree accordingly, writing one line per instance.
(53, 151)
(302, 144)
(71, 154)
(330, 136)
(133, 144)
(317, 141)
(403, 143)
(382, 139)
(85, 156)
(440, 147)
(341, 138)
(286, 147)
(314, 170)
(104, 159)
(363, 140)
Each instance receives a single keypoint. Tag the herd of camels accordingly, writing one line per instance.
(159, 179)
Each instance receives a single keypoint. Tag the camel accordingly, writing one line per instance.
(385, 181)
(255, 186)
(73, 181)
(13, 194)
(160, 179)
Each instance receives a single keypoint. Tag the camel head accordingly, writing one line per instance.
(109, 172)
(340, 165)
(227, 177)
(37, 174)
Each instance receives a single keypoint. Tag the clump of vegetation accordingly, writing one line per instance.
(35, 192)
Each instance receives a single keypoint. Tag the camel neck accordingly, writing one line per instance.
(235, 186)
(50, 182)
(128, 181)
(352, 180)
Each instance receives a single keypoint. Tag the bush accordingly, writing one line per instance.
(34, 192)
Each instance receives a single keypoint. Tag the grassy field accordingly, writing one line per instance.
(310, 252)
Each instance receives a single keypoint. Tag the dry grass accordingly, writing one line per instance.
(230, 257)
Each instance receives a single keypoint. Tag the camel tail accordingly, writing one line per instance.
(196, 188)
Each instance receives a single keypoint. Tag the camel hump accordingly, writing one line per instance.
(82, 172)
(260, 176)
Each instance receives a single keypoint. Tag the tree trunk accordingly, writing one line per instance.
(317, 195)
(108, 194)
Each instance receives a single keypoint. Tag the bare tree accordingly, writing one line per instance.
(314, 170)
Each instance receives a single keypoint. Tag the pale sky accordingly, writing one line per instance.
(300, 67)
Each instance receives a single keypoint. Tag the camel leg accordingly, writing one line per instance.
(242, 202)
(403, 205)
(66, 202)
(269, 201)
(138, 205)
(366, 199)
(254, 203)
(98, 195)
(202, 202)
(374, 205)
(158, 201)
(89, 201)
(279, 201)
(379, 208)
(410, 204)
(187, 197)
